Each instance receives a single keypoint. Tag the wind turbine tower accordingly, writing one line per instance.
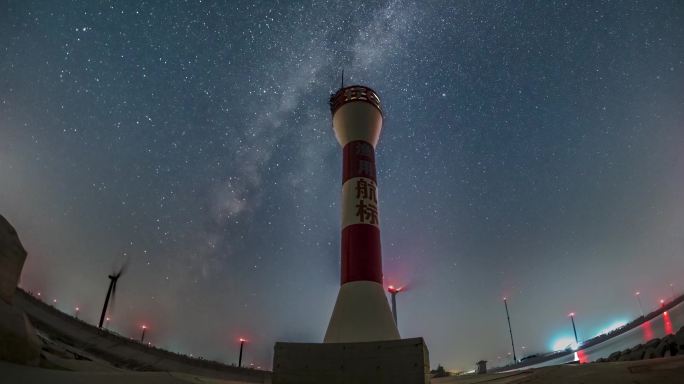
(111, 292)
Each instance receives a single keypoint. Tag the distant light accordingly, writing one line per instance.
(571, 314)
(668, 324)
(638, 293)
(78, 309)
(144, 326)
(242, 340)
(581, 357)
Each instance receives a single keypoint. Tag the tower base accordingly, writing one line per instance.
(397, 362)
(361, 314)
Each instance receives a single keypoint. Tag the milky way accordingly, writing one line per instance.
(530, 149)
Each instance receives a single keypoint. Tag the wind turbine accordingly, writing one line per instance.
(111, 292)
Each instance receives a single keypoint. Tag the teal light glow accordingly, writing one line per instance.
(564, 342)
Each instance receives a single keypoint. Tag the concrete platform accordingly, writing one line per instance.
(395, 361)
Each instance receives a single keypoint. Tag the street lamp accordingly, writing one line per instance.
(641, 309)
(574, 330)
(77, 310)
(393, 291)
(242, 345)
(662, 303)
(142, 336)
(510, 330)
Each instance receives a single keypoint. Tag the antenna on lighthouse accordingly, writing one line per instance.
(331, 101)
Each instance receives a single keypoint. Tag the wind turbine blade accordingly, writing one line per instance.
(124, 266)
(113, 299)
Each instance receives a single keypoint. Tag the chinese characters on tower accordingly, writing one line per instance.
(367, 202)
(361, 175)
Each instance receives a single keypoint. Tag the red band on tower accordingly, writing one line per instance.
(358, 160)
(361, 254)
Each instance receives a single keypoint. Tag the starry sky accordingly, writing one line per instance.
(530, 149)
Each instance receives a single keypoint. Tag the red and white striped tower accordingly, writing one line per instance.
(361, 312)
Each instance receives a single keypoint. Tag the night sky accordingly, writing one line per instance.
(530, 149)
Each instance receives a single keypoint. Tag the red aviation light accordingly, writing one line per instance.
(393, 289)
(582, 356)
(668, 324)
(647, 330)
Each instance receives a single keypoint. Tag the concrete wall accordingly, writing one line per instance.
(380, 362)
(12, 257)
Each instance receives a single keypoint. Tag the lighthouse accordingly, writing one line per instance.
(361, 312)
(362, 343)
